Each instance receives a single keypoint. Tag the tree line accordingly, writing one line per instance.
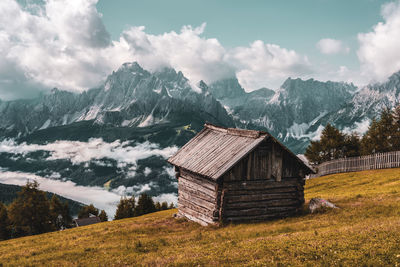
(127, 206)
(33, 213)
(383, 135)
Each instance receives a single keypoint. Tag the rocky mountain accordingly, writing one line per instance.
(287, 113)
(366, 104)
(130, 97)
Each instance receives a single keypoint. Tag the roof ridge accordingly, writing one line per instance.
(235, 131)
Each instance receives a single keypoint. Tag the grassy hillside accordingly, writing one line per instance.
(364, 231)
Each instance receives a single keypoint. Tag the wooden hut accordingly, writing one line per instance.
(87, 221)
(232, 175)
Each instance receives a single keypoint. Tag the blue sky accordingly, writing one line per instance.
(74, 44)
(297, 25)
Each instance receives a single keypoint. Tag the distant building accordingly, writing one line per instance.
(87, 221)
(234, 175)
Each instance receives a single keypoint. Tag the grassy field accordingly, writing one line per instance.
(365, 231)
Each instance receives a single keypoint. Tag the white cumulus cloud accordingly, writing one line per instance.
(65, 44)
(331, 46)
(56, 46)
(266, 65)
(379, 52)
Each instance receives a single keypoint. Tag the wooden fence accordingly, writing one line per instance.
(354, 164)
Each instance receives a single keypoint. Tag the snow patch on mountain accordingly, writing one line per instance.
(45, 125)
(147, 122)
(360, 127)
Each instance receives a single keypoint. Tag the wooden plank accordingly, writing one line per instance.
(198, 180)
(196, 200)
(259, 197)
(223, 204)
(265, 203)
(195, 216)
(259, 211)
(261, 184)
(198, 187)
(249, 167)
(195, 207)
(244, 133)
(289, 189)
(196, 193)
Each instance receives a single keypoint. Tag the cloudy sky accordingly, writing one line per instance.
(75, 44)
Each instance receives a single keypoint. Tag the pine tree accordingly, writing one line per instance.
(87, 210)
(158, 206)
(330, 146)
(171, 206)
(60, 215)
(396, 129)
(164, 205)
(145, 205)
(370, 139)
(126, 208)
(314, 152)
(352, 145)
(332, 143)
(103, 216)
(5, 229)
(30, 212)
(382, 135)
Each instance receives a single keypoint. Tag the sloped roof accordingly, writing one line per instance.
(214, 150)
(87, 221)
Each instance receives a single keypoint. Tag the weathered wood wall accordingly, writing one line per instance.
(268, 183)
(353, 164)
(259, 200)
(197, 198)
(267, 161)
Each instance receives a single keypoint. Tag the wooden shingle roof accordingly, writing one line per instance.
(214, 150)
(87, 221)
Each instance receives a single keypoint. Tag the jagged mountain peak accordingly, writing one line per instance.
(392, 84)
(227, 89)
(131, 66)
(299, 84)
(174, 78)
(203, 86)
(395, 76)
(263, 92)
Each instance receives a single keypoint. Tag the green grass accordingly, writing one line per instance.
(365, 231)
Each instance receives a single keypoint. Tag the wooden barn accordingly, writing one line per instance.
(234, 175)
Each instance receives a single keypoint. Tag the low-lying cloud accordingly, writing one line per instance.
(101, 198)
(98, 196)
(95, 149)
